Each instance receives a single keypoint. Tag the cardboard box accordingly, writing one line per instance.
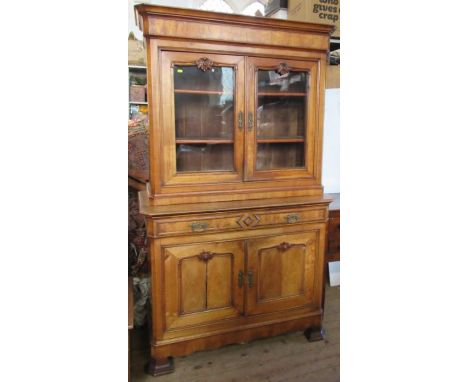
(332, 80)
(137, 93)
(316, 11)
(136, 53)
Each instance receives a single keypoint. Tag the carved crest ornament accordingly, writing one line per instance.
(283, 68)
(204, 63)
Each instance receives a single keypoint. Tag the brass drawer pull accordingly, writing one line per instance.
(250, 278)
(240, 279)
(292, 218)
(240, 121)
(199, 226)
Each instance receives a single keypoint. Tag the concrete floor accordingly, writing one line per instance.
(283, 358)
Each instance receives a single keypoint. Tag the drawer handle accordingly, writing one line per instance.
(240, 279)
(205, 256)
(250, 121)
(198, 226)
(292, 218)
(250, 278)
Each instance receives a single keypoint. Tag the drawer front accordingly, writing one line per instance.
(205, 225)
(294, 216)
(245, 220)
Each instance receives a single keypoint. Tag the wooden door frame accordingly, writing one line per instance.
(171, 284)
(312, 122)
(312, 273)
(170, 177)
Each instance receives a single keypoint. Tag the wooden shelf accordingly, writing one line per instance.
(280, 94)
(138, 67)
(137, 103)
(189, 91)
(204, 141)
(280, 140)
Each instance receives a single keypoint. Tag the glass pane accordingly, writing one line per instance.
(271, 82)
(279, 155)
(204, 157)
(280, 117)
(204, 116)
(219, 79)
(204, 112)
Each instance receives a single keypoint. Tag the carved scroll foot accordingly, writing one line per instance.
(314, 334)
(159, 366)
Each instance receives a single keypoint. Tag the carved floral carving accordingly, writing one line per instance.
(205, 255)
(282, 68)
(284, 246)
(204, 63)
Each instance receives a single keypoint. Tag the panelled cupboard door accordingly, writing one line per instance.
(202, 118)
(284, 272)
(282, 118)
(203, 282)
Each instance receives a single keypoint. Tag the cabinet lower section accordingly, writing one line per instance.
(210, 289)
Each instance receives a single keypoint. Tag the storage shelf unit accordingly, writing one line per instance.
(235, 212)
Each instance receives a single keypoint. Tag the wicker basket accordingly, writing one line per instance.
(137, 93)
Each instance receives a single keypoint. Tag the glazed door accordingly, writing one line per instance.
(202, 118)
(282, 119)
(284, 272)
(203, 282)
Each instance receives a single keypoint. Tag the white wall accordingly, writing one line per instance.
(331, 142)
(171, 3)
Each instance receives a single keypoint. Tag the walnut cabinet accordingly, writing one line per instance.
(235, 211)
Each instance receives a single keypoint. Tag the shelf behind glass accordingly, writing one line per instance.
(280, 155)
(204, 157)
(204, 116)
(281, 117)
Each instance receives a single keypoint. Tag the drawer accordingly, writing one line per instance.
(292, 216)
(198, 225)
(244, 220)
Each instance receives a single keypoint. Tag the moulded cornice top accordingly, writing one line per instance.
(208, 16)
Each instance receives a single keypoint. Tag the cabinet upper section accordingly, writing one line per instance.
(157, 21)
(235, 106)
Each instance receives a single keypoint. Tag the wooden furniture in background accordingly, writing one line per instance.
(136, 88)
(333, 242)
(235, 212)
